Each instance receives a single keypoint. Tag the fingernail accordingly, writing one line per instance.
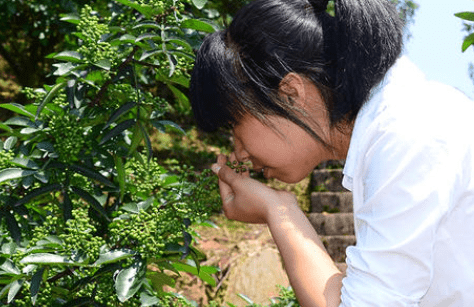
(215, 168)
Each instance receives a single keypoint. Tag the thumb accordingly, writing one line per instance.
(226, 174)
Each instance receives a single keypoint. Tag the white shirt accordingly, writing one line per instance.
(410, 167)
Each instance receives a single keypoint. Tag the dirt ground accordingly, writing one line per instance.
(249, 264)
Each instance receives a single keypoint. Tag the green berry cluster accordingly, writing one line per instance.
(92, 29)
(79, 235)
(69, 136)
(34, 94)
(60, 99)
(51, 226)
(238, 167)
(44, 298)
(146, 232)
(6, 156)
(120, 93)
(144, 178)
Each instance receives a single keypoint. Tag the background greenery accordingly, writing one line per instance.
(97, 193)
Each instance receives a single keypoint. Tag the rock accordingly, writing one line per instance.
(256, 276)
(332, 224)
(327, 180)
(331, 202)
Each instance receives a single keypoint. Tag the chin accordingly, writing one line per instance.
(290, 178)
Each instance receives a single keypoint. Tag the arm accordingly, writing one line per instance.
(313, 275)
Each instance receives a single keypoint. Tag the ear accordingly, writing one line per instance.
(292, 87)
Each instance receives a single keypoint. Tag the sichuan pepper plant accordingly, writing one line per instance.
(88, 216)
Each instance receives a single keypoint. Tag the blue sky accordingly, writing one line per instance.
(435, 45)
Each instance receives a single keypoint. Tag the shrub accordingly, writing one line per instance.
(88, 216)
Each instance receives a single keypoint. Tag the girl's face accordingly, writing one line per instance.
(287, 152)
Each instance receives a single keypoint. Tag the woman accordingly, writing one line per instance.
(294, 85)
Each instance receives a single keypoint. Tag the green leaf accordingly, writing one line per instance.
(9, 248)
(9, 268)
(148, 25)
(92, 174)
(127, 124)
(91, 200)
(35, 284)
(146, 137)
(168, 123)
(105, 64)
(49, 97)
(246, 299)
(45, 146)
(114, 256)
(147, 10)
(37, 192)
(71, 56)
(180, 42)
(159, 280)
(148, 300)
(14, 173)
(136, 207)
(46, 258)
(10, 143)
(119, 112)
(190, 267)
(67, 206)
(14, 288)
(148, 36)
(150, 53)
(198, 25)
(20, 121)
(17, 108)
(120, 175)
(63, 69)
(136, 140)
(468, 41)
(183, 100)
(25, 163)
(199, 3)
(465, 15)
(172, 62)
(5, 127)
(71, 18)
(129, 280)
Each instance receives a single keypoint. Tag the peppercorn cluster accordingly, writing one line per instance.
(69, 136)
(92, 32)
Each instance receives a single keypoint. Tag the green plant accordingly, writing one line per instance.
(88, 216)
(468, 40)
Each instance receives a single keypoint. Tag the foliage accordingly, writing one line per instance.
(88, 216)
(468, 40)
(31, 28)
(286, 298)
(468, 17)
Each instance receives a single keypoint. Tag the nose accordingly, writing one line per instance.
(240, 153)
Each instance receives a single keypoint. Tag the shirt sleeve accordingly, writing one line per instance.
(401, 192)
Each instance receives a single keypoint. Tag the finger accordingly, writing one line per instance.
(226, 192)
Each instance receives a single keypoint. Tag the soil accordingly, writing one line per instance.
(249, 264)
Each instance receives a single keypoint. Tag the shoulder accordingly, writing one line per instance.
(412, 116)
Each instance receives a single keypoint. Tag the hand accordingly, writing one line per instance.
(245, 199)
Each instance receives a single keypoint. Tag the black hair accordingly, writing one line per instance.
(238, 70)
